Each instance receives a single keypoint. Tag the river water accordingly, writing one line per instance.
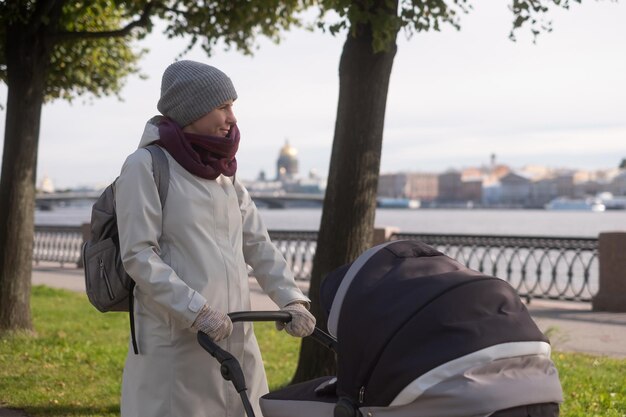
(444, 221)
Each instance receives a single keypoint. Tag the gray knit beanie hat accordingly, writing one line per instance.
(190, 89)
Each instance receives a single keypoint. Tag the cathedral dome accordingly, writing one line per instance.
(288, 150)
(287, 163)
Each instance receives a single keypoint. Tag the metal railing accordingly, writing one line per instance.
(298, 248)
(58, 244)
(537, 267)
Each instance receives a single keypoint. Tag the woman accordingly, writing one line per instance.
(188, 258)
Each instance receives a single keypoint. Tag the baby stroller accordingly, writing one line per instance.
(419, 334)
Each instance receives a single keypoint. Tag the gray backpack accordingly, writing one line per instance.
(108, 286)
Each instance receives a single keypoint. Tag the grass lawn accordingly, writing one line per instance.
(73, 365)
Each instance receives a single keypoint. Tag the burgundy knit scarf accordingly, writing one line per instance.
(204, 156)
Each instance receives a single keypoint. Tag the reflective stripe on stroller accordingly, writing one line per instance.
(419, 334)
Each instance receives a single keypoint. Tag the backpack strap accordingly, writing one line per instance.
(131, 316)
(161, 173)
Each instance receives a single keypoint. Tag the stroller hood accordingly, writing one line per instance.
(403, 309)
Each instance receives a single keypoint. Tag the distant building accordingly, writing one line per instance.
(449, 187)
(542, 192)
(490, 185)
(592, 183)
(536, 172)
(514, 190)
(487, 174)
(472, 191)
(310, 185)
(422, 186)
(618, 184)
(564, 183)
(46, 185)
(547, 189)
(411, 185)
(287, 179)
(481, 185)
(392, 185)
(264, 186)
(287, 163)
(491, 194)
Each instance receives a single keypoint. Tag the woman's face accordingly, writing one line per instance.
(215, 123)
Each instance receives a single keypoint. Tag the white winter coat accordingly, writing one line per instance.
(191, 252)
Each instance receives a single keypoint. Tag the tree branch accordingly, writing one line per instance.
(43, 8)
(143, 21)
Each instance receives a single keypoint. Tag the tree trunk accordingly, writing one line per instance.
(27, 58)
(350, 203)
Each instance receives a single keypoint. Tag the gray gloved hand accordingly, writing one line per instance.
(302, 322)
(215, 324)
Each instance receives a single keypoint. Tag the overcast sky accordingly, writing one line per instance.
(455, 97)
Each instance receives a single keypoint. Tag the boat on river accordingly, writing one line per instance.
(580, 204)
(612, 202)
(405, 203)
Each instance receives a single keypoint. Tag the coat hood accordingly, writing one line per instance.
(150, 132)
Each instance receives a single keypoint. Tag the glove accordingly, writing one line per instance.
(302, 322)
(215, 324)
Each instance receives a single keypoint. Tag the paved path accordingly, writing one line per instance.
(571, 326)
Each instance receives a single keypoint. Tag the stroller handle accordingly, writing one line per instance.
(230, 367)
(281, 316)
